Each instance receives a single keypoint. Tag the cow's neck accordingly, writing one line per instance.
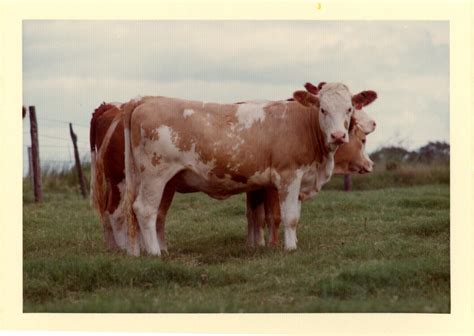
(318, 138)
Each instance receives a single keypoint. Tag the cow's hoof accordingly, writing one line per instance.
(290, 248)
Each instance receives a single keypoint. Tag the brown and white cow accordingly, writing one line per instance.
(226, 149)
(112, 213)
(107, 195)
(262, 205)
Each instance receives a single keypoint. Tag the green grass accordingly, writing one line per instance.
(383, 250)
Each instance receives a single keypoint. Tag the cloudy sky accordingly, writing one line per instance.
(70, 67)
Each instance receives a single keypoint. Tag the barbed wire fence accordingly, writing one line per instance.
(60, 151)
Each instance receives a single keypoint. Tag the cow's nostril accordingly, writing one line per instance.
(338, 135)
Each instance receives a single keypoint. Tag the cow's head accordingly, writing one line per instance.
(365, 122)
(358, 101)
(364, 98)
(351, 157)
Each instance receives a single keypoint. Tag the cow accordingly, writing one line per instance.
(108, 178)
(227, 149)
(262, 205)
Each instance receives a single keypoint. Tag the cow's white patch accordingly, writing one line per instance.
(365, 122)
(290, 238)
(276, 178)
(290, 210)
(315, 176)
(172, 154)
(188, 112)
(248, 113)
(261, 177)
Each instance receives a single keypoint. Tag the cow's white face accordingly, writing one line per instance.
(358, 101)
(335, 113)
(365, 122)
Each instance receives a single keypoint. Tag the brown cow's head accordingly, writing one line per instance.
(351, 157)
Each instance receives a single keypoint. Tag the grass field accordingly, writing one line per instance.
(384, 250)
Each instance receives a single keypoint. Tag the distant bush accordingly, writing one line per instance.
(390, 166)
(398, 167)
(432, 153)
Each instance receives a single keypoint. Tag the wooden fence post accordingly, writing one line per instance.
(82, 183)
(30, 168)
(35, 156)
(347, 182)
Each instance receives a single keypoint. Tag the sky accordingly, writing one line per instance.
(71, 67)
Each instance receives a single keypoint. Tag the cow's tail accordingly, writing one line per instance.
(130, 180)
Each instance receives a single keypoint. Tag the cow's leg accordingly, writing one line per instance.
(146, 207)
(250, 220)
(107, 224)
(255, 218)
(108, 232)
(259, 216)
(290, 207)
(165, 204)
(116, 216)
(272, 215)
(117, 220)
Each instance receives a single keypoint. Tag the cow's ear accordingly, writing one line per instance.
(363, 98)
(311, 88)
(306, 98)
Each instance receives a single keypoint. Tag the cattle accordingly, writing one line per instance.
(227, 149)
(108, 179)
(263, 205)
(112, 213)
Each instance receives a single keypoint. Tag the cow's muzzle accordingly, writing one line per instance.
(338, 138)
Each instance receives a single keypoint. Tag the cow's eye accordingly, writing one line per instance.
(363, 141)
(324, 111)
(349, 110)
